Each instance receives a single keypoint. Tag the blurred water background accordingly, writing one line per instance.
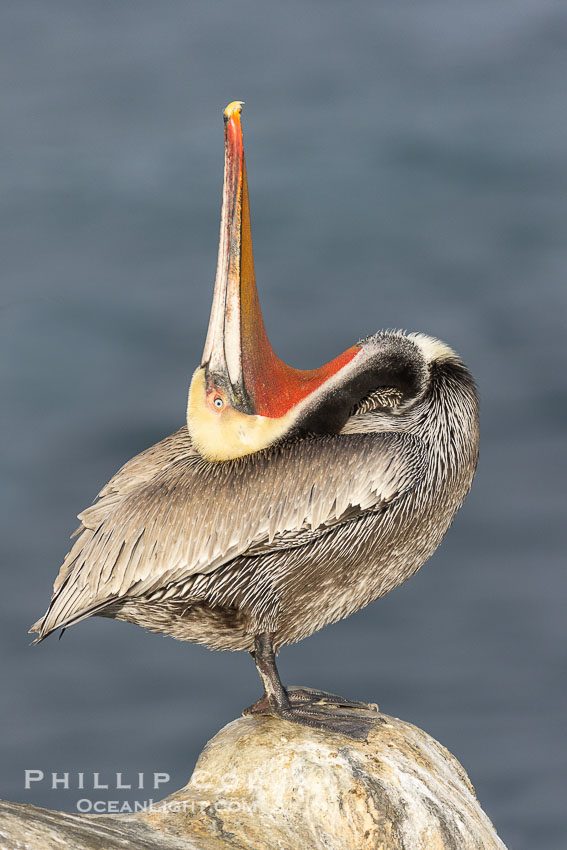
(407, 167)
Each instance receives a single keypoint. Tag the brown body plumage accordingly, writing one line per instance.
(181, 545)
(269, 516)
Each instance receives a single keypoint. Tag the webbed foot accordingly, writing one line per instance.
(320, 710)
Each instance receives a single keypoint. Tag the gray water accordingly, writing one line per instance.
(407, 168)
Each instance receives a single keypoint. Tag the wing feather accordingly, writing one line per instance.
(168, 514)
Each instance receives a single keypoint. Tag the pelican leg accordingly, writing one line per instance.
(275, 695)
(306, 706)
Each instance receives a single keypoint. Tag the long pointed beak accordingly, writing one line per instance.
(236, 326)
(238, 356)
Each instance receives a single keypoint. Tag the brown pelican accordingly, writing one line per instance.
(290, 498)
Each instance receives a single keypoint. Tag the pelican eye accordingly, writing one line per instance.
(218, 402)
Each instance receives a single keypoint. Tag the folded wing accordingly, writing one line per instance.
(168, 514)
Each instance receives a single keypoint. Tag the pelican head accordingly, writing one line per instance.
(243, 397)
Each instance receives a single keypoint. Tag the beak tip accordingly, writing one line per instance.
(232, 108)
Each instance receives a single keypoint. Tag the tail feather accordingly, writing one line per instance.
(43, 630)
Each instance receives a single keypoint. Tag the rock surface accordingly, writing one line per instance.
(264, 784)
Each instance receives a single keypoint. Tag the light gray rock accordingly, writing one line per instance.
(265, 784)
